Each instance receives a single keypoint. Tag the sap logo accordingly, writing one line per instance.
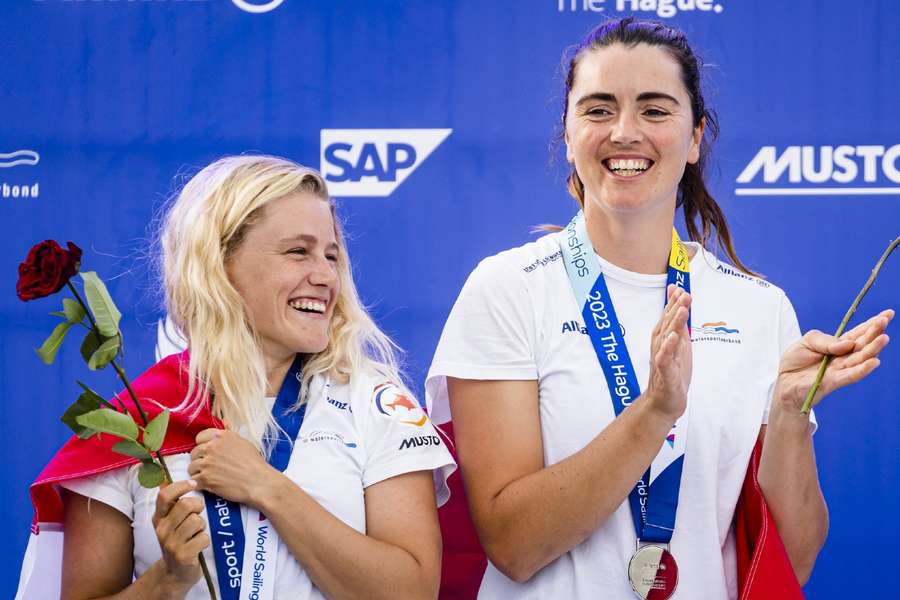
(823, 164)
(573, 326)
(420, 440)
(373, 162)
(257, 6)
(340, 405)
(662, 8)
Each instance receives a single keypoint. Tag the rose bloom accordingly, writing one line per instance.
(47, 269)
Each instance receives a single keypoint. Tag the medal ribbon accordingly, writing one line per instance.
(248, 570)
(654, 499)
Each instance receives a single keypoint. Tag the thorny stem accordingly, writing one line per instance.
(826, 360)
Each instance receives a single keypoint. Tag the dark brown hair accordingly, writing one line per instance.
(693, 195)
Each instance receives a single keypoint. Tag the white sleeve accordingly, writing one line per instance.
(788, 333)
(112, 488)
(403, 441)
(489, 335)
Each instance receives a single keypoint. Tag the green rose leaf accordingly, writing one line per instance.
(104, 355)
(133, 449)
(151, 475)
(105, 312)
(90, 344)
(59, 313)
(155, 431)
(51, 345)
(73, 311)
(87, 402)
(106, 420)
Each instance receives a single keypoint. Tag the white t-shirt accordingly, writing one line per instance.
(516, 318)
(353, 436)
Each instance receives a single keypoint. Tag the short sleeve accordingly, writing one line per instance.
(112, 488)
(400, 438)
(788, 333)
(489, 335)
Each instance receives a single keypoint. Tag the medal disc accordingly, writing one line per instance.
(653, 573)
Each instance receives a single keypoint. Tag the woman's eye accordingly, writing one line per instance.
(598, 112)
(332, 257)
(299, 251)
(655, 112)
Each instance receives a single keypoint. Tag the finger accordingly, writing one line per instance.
(884, 316)
(189, 527)
(169, 495)
(845, 377)
(207, 435)
(870, 350)
(679, 300)
(199, 451)
(824, 344)
(198, 544)
(194, 468)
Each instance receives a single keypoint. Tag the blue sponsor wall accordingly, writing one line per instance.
(108, 103)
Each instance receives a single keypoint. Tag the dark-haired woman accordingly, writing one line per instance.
(608, 382)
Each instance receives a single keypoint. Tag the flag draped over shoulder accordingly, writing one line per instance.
(164, 385)
(764, 570)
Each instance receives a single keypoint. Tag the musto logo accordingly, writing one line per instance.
(392, 402)
(832, 170)
(373, 162)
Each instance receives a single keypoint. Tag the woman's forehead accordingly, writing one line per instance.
(630, 70)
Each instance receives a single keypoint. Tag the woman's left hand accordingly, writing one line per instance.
(228, 465)
(856, 355)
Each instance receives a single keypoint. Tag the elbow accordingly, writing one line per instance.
(513, 562)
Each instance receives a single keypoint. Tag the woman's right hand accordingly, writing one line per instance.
(181, 531)
(671, 359)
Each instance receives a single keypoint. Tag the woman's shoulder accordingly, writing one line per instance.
(528, 258)
(731, 280)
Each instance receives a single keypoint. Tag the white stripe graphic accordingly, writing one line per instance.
(19, 157)
(832, 191)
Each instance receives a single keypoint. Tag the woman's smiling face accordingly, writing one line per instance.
(286, 271)
(629, 128)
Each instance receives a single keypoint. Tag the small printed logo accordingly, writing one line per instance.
(420, 440)
(717, 331)
(727, 270)
(326, 436)
(543, 262)
(577, 327)
(257, 6)
(671, 440)
(340, 405)
(373, 162)
(392, 402)
(18, 189)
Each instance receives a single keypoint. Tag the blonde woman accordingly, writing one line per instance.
(256, 275)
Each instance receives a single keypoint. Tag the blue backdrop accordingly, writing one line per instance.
(432, 121)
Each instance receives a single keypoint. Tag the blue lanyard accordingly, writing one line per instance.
(225, 523)
(653, 505)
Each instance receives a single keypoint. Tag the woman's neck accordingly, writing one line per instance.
(639, 243)
(276, 370)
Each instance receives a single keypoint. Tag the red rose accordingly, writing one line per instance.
(47, 269)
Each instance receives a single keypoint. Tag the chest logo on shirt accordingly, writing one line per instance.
(577, 327)
(340, 405)
(392, 402)
(326, 436)
(717, 331)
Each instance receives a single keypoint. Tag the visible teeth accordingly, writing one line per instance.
(308, 305)
(629, 164)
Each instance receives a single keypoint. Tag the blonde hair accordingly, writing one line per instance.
(205, 224)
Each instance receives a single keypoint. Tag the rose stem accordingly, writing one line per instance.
(826, 360)
(121, 373)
